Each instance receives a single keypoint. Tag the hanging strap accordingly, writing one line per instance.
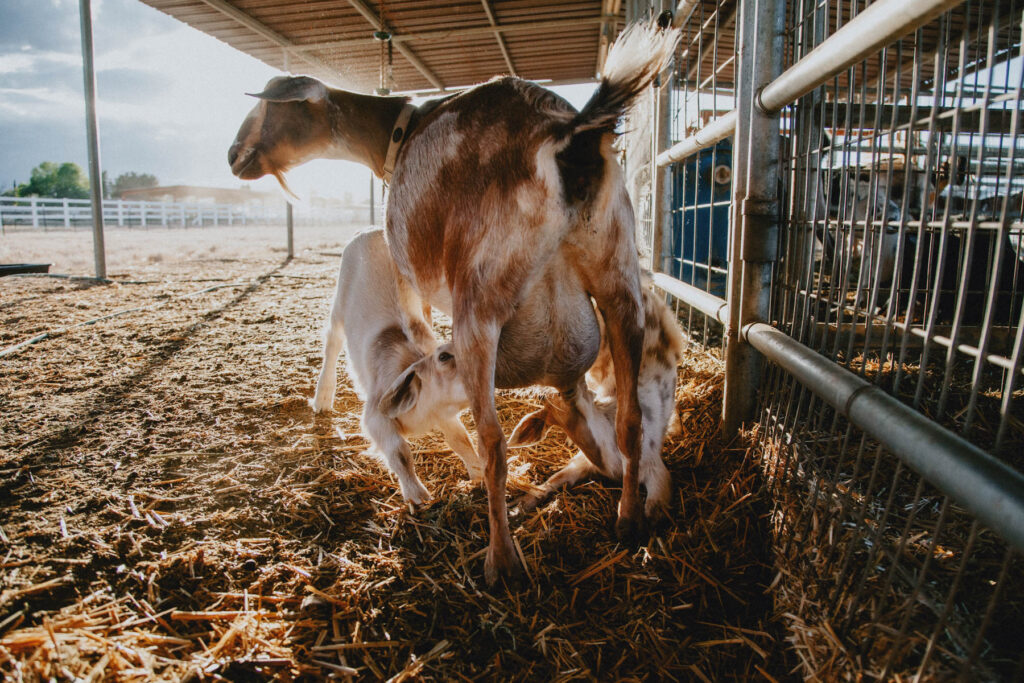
(397, 136)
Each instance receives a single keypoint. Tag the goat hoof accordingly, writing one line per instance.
(501, 564)
(631, 531)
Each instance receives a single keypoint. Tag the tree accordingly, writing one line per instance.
(132, 181)
(53, 180)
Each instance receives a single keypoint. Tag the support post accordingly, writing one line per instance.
(372, 221)
(290, 220)
(93, 140)
(661, 177)
(755, 213)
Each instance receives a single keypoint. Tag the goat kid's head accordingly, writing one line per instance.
(557, 413)
(431, 383)
(286, 128)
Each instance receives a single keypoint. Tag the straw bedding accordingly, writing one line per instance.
(170, 508)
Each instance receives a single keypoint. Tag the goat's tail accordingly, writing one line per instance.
(639, 54)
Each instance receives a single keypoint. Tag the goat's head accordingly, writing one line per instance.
(555, 412)
(287, 127)
(430, 384)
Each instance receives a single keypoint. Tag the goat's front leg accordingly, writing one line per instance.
(476, 347)
(384, 435)
(455, 434)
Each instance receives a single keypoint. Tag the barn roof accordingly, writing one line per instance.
(437, 45)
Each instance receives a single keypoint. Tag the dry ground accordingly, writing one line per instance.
(170, 508)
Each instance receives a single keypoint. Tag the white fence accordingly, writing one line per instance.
(67, 214)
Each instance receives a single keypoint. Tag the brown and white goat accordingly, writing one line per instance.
(408, 383)
(507, 210)
(663, 348)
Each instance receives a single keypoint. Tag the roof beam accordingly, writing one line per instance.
(371, 17)
(446, 34)
(262, 29)
(609, 11)
(498, 36)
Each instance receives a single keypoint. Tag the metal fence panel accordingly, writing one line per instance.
(900, 259)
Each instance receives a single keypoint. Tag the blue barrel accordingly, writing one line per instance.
(702, 189)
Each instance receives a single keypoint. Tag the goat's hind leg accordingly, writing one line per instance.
(326, 384)
(476, 347)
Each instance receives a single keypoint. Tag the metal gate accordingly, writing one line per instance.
(836, 201)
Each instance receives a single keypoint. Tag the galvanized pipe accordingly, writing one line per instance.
(710, 305)
(719, 129)
(991, 490)
(881, 23)
(93, 140)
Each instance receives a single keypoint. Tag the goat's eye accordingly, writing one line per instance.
(444, 356)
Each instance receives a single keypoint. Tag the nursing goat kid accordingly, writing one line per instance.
(663, 348)
(409, 384)
(507, 210)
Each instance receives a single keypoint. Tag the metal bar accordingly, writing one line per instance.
(683, 11)
(754, 226)
(448, 34)
(705, 302)
(661, 179)
(719, 129)
(988, 488)
(498, 37)
(290, 226)
(371, 17)
(879, 24)
(93, 140)
(262, 29)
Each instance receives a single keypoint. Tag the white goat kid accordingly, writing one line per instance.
(409, 384)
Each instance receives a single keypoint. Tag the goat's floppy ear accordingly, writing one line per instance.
(402, 394)
(293, 89)
(530, 429)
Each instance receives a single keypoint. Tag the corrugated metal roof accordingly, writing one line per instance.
(436, 45)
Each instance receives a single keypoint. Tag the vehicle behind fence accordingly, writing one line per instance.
(843, 207)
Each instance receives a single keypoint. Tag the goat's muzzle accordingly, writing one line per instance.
(244, 162)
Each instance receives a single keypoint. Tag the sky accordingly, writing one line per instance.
(169, 98)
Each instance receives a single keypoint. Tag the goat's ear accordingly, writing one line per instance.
(293, 89)
(530, 429)
(402, 394)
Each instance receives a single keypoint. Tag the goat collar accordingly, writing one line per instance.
(398, 135)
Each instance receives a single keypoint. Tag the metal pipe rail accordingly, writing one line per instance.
(705, 302)
(878, 25)
(991, 490)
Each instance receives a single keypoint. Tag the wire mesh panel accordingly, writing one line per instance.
(696, 243)
(901, 259)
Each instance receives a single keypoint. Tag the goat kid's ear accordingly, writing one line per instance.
(293, 89)
(530, 429)
(402, 394)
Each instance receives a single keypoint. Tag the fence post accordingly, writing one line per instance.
(67, 213)
(35, 213)
(290, 220)
(661, 176)
(754, 222)
(142, 214)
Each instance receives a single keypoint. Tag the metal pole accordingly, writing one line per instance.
(661, 178)
(290, 221)
(754, 226)
(372, 222)
(93, 140)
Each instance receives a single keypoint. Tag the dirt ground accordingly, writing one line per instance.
(170, 508)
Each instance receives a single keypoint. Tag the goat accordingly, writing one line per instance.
(409, 384)
(662, 350)
(508, 211)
